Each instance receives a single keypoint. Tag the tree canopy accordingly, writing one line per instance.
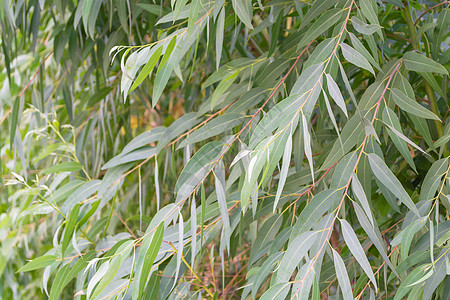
(235, 149)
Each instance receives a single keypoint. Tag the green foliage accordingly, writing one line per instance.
(230, 149)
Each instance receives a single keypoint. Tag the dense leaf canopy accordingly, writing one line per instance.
(224, 149)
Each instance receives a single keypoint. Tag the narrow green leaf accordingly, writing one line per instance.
(123, 14)
(342, 276)
(38, 263)
(265, 270)
(368, 11)
(101, 271)
(354, 57)
(284, 170)
(364, 28)
(391, 120)
(219, 36)
(328, 19)
(278, 116)
(70, 225)
(277, 291)
(362, 50)
(344, 170)
(419, 63)
(322, 51)
(243, 9)
(67, 273)
(383, 174)
(213, 128)
(150, 255)
(221, 199)
(315, 10)
(331, 115)
(266, 234)
(336, 94)
(414, 276)
(294, 254)
(307, 144)
(424, 28)
(374, 235)
(14, 121)
(198, 166)
(358, 190)
(318, 205)
(351, 240)
(432, 179)
(155, 9)
(193, 231)
(441, 271)
(163, 73)
(180, 247)
(308, 80)
(222, 88)
(71, 166)
(148, 67)
(275, 33)
(410, 105)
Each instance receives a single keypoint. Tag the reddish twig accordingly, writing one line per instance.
(431, 8)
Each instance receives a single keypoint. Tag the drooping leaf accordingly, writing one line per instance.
(364, 28)
(384, 175)
(336, 94)
(419, 63)
(38, 263)
(328, 19)
(243, 9)
(284, 169)
(351, 240)
(341, 273)
(198, 167)
(151, 249)
(356, 58)
(319, 204)
(411, 106)
(390, 118)
(294, 254)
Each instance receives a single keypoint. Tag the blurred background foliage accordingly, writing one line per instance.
(97, 97)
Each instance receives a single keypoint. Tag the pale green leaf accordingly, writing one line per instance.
(342, 276)
(419, 63)
(315, 10)
(356, 58)
(391, 120)
(243, 9)
(410, 105)
(328, 19)
(358, 190)
(38, 263)
(364, 28)
(318, 205)
(219, 36)
(277, 291)
(307, 144)
(148, 67)
(213, 128)
(71, 166)
(294, 254)
(284, 170)
(384, 175)
(336, 93)
(351, 240)
(151, 250)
